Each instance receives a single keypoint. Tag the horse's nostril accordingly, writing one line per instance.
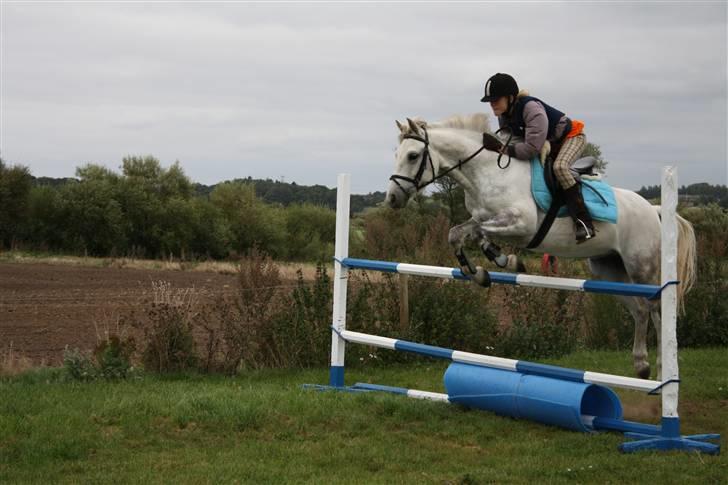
(392, 199)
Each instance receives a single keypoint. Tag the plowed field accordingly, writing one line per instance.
(44, 307)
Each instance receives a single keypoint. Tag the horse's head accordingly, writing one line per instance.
(414, 164)
(427, 152)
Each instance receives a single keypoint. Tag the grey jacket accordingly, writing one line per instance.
(537, 125)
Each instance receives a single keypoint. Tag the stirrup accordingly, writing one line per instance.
(590, 232)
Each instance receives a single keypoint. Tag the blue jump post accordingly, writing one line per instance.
(570, 398)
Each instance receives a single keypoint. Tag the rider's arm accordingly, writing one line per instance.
(537, 125)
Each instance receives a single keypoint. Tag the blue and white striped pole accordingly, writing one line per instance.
(518, 279)
(522, 366)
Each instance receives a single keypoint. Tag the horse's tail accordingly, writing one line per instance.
(687, 258)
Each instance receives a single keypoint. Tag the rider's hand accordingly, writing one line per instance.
(490, 142)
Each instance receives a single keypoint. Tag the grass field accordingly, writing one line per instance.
(262, 427)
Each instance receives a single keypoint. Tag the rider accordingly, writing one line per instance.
(536, 121)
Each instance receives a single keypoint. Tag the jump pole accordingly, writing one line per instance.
(664, 437)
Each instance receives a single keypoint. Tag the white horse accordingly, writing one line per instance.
(502, 207)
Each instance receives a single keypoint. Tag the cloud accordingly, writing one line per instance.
(307, 91)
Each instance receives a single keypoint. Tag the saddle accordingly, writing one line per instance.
(581, 168)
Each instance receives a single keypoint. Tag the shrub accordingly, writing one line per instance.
(302, 334)
(449, 314)
(168, 338)
(544, 323)
(609, 324)
(79, 365)
(238, 327)
(706, 308)
(113, 357)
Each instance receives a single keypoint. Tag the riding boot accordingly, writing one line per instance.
(579, 213)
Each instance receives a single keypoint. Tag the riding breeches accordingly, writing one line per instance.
(570, 151)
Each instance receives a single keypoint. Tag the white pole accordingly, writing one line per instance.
(341, 275)
(669, 299)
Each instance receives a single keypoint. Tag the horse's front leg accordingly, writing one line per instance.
(508, 224)
(491, 250)
(456, 238)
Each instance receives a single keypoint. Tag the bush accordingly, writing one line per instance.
(168, 338)
(609, 324)
(706, 308)
(239, 327)
(544, 323)
(452, 314)
(113, 357)
(449, 314)
(302, 334)
(79, 365)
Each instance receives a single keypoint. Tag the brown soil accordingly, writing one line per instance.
(44, 307)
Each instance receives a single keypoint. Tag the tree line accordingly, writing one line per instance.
(147, 210)
(699, 194)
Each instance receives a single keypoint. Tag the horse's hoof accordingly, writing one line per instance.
(481, 277)
(643, 371)
(501, 261)
(520, 267)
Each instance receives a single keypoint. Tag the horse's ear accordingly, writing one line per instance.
(412, 126)
(400, 126)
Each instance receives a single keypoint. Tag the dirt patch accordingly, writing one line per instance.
(44, 307)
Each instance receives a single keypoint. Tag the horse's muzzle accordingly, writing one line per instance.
(395, 198)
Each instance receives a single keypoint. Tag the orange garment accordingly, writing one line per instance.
(576, 128)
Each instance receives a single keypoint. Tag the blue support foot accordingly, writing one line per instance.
(320, 387)
(670, 439)
(685, 443)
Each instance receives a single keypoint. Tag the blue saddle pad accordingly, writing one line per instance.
(597, 208)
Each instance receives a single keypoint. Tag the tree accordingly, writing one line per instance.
(15, 185)
(593, 150)
(452, 195)
(252, 222)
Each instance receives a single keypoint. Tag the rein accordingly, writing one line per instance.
(426, 157)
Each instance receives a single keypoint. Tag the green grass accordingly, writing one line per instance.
(261, 427)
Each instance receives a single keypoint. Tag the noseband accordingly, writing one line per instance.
(426, 157)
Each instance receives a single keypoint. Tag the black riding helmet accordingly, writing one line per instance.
(499, 85)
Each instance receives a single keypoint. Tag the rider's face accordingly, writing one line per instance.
(499, 105)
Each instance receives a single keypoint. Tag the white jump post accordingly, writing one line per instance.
(341, 276)
(670, 438)
(664, 437)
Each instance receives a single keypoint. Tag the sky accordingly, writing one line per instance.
(301, 92)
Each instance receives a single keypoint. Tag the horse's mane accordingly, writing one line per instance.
(474, 122)
(477, 122)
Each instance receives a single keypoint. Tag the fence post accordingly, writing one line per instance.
(670, 374)
(341, 275)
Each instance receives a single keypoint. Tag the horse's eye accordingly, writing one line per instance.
(412, 156)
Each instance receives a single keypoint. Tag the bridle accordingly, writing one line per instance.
(426, 157)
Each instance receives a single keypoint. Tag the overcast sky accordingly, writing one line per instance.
(305, 91)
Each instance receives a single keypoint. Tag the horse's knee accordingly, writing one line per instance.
(455, 238)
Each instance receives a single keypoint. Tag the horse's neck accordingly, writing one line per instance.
(486, 186)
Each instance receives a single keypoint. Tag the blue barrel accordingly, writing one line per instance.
(543, 399)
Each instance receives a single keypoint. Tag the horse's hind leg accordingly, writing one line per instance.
(643, 266)
(612, 268)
